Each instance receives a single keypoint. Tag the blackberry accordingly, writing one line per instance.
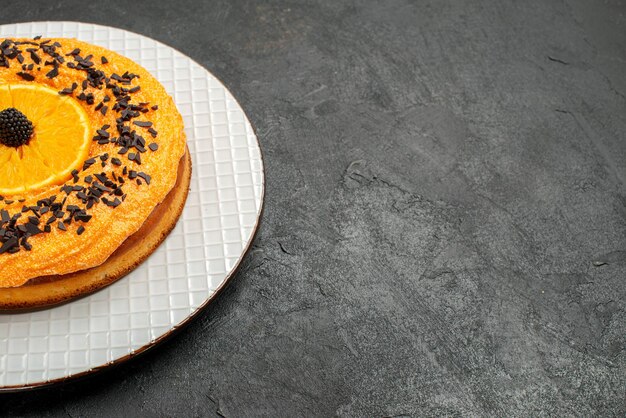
(15, 128)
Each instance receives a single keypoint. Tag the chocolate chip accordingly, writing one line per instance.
(53, 73)
(8, 244)
(26, 76)
(36, 58)
(144, 176)
(88, 163)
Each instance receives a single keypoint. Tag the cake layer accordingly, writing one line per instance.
(131, 166)
(51, 290)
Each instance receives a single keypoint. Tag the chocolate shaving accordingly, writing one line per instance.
(53, 72)
(26, 76)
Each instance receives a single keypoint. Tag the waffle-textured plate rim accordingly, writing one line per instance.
(224, 283)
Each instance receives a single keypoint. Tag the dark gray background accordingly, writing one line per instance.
(441, 177)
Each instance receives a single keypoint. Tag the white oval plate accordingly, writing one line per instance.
(185, 272)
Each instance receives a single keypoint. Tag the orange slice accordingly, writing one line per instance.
(60, 142)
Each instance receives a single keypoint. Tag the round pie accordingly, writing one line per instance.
(94, 170)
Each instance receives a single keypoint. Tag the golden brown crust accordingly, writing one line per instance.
(52, 290)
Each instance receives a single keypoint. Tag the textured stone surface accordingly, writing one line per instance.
(445, 219)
